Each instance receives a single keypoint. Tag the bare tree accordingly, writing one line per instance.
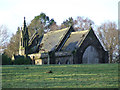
(13, 45)
(109, 36)
(54, 27)
(81, 23)
(3, 37)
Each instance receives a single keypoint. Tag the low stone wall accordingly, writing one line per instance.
(38, 62)
(60, 58)
(64, 60)
(36, 58)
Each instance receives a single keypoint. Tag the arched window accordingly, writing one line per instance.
(90, 55)
(67, 62)
(59, 62)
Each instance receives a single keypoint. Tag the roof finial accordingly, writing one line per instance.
(90, 24)
(24, 18)
(24, 22)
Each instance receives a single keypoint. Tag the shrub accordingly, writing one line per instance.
(6, 60)
(22, 61)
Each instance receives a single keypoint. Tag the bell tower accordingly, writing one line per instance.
(24, 39)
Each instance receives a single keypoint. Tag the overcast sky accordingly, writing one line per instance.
(12, 12)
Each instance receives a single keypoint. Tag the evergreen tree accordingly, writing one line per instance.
(40, 23)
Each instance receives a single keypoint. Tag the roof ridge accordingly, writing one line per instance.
(80, 31)
(58, 30)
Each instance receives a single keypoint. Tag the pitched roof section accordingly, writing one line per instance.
(75, 40)
(32, 38)
(51, 39)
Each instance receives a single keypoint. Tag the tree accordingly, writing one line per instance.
(6, 60)
(3, 37)
(13, 45)
(22, 61)
(82, 23)
(68, 22)
(40, 23)
(109, 35)
(78, 24)
(54, 27)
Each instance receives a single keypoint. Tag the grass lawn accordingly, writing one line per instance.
(62, 76)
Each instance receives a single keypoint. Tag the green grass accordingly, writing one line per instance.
(63, 76)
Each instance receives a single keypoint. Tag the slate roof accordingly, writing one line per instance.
(52, 39)
(75, 40)
(32, 38)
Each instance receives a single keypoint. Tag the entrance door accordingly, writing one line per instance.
(90, 56)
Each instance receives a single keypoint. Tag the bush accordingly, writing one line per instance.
(6, 60)
(22, 61)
